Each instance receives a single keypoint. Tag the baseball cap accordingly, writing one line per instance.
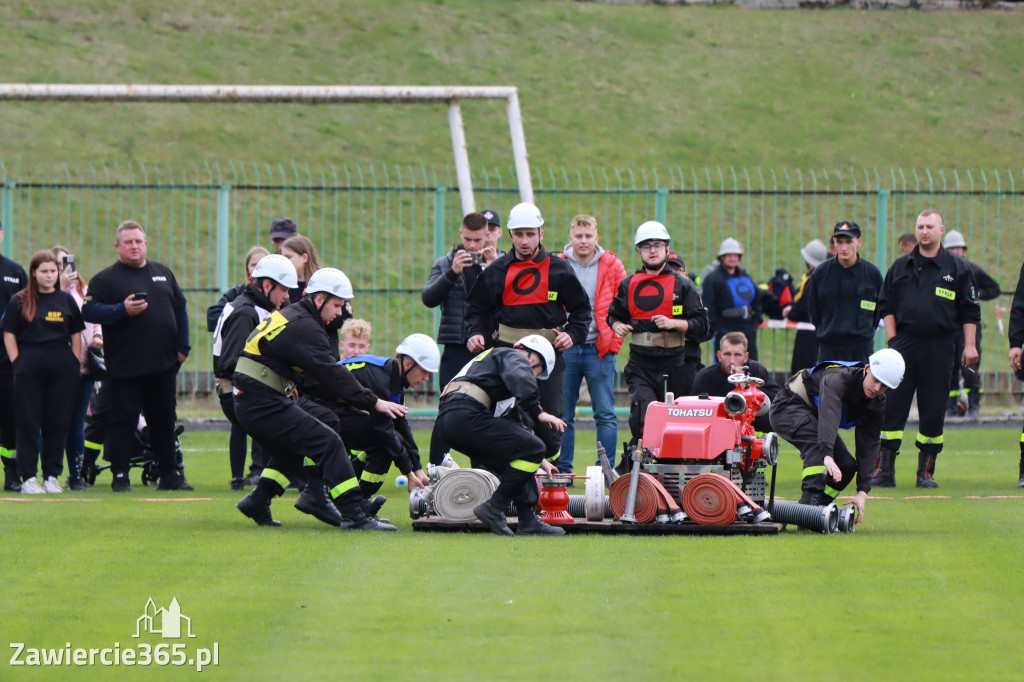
(846, 228)
(492, 217)
(282, 228)
(676, 259)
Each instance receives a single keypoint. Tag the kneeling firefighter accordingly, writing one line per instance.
(290, 349)
(475, 417)
(817, 402)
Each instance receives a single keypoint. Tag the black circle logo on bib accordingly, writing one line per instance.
(648, 295)
(526, 281)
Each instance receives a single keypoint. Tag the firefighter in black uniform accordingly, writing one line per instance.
(661, 308)
(731, 296)
(376, 440)
(266, 291)
(472, 419)
(526, 292)
(291, 349)
(817, 402)
(926, 296)
(1016, 342)
(12, 280)
(988, 289)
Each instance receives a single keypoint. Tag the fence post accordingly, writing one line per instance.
(661, 205)
(7, 217)
(881, 248)
(439, 248)
(223, 228)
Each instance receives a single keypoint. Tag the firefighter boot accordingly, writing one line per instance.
(925, 469)
(12, 482)
(811, 498)
(493, 516)
(256, 505)
(351, 506)
(529, 524)
(951, 410)
(885, 476)
(973, 404)
(314, 501)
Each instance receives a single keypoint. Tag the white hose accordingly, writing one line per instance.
(459, 490)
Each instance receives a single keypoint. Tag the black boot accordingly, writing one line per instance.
(1020, 483)
(493, 516)
(885, 476)
(973, 404)
(811, 498)
(314, 501)
(951, 403)
(356, 518)
(925, 469)
(12, 482)
(529, 524)
(256, 505)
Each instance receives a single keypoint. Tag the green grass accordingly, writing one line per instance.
(925, 589)
(601, 86)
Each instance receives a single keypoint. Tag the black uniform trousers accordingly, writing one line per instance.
(794, 420)
(550, 400)
(972, 379)
(646, 381)
(503, 445)
(238, 441)
(929, 362)
(370, 461)
(681, 376)
(46, 378)
(156, 396)
(291, 437)
(855, 352)
(453, 358)
(8, 437)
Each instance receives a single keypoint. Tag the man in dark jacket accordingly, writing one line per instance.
(732, 358)
(1016, 342)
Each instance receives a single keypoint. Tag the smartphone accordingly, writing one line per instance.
(69, 262)
(476, 258)
(141, 296)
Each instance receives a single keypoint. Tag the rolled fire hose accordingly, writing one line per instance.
(710, 500)
(653, 502)
(459, 490)
(824, 519)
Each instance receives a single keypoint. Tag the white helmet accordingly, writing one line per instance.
(954, 239)
(423, 351)
(278, 268)
(814, 252)
(539, 344)
(523, 216)
(329, 281)
(652, 229)
(730, 245)
(887, 366)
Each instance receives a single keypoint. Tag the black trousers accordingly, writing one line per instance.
(793, 420)
(370, 460)
(856, 352)
(453, 358)
(153, 394)
(646, 381)
(681, 377)
(46, 379)
(238, 441)
(929, 363)
(502, 445)
(8, 437)
(972, 379)
(292, 437)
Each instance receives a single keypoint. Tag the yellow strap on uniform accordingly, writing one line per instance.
(832, 492)
(892, 435)
(812, 471)
(523, 465)
(307, 462)
(372, 478)
(276, 477)
(954, 394)
(929, 440)
(360, 455)
(343, 487)
(93, 446)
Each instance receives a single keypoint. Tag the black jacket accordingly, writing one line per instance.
(842, 302)
(214, 311)
(383, 376)
(239, 316)
(713, 381)
(294, 343)
(1017, 314)
(929, 296)
(12, 280)
(446, 289)
(733, 301)
(505, 373)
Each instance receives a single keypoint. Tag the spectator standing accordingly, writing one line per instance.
(732, 297)
(13, 279)
(213, 312)
(74, 447)
(926, 296)
(42, 333)
(355, 337)
(1016, 343)
(600, 272)
(145, 341)
(805, 345)
(282, 229)
(842, 297)
(907, 242)
(988, 289)
(301, 252)
(493, 230)
(732, 358)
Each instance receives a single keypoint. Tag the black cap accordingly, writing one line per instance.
(676, 259)
(846, 228)
(492, 217)
(282, 228)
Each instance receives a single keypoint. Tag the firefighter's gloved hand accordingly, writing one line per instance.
(832, 469)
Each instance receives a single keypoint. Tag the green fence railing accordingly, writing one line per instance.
(385, 225)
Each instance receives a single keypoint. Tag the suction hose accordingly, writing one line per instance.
(822, 519)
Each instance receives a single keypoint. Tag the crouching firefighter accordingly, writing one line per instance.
(376, 440)
(817, 402)
(475, 418)
(290, 349)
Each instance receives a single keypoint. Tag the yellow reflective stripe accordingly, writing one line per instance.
(1022, 437)
(523, 465)
(892, 435)
(812, 471)
(359, 454)
(269, 328)
(343, 487)
(929, 440)
(832, 492)
(480, 358)
(93, 446)
(954, 394)
(276, 477)
(307, 462)
(372, 478)
(3, 452)
(945, 293)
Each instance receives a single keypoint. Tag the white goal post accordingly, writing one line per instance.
(309, 94)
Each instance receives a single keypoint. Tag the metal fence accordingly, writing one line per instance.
(385, 225)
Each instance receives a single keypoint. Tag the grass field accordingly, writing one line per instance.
(927, 588)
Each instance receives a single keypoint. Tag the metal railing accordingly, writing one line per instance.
(385, 225)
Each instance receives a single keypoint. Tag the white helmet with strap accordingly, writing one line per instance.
(652, 229)
(423, 351)
(329, 281)
(887, 366)
(524, 216)
(278, 268)
(538, 344)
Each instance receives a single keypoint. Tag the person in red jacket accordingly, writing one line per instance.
(599, 272)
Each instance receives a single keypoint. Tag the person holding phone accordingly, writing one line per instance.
(146, 339)
(42, 334)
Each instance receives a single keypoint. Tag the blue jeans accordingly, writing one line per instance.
(75, 444)
(581, 362)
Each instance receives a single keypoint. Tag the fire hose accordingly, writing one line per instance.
(824, 519)
(712, 499)
(652, 502)
(459, 490)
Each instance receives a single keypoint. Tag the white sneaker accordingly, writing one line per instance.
(51, 485)
(32, 487)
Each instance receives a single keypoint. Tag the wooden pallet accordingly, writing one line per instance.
(609, 527)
